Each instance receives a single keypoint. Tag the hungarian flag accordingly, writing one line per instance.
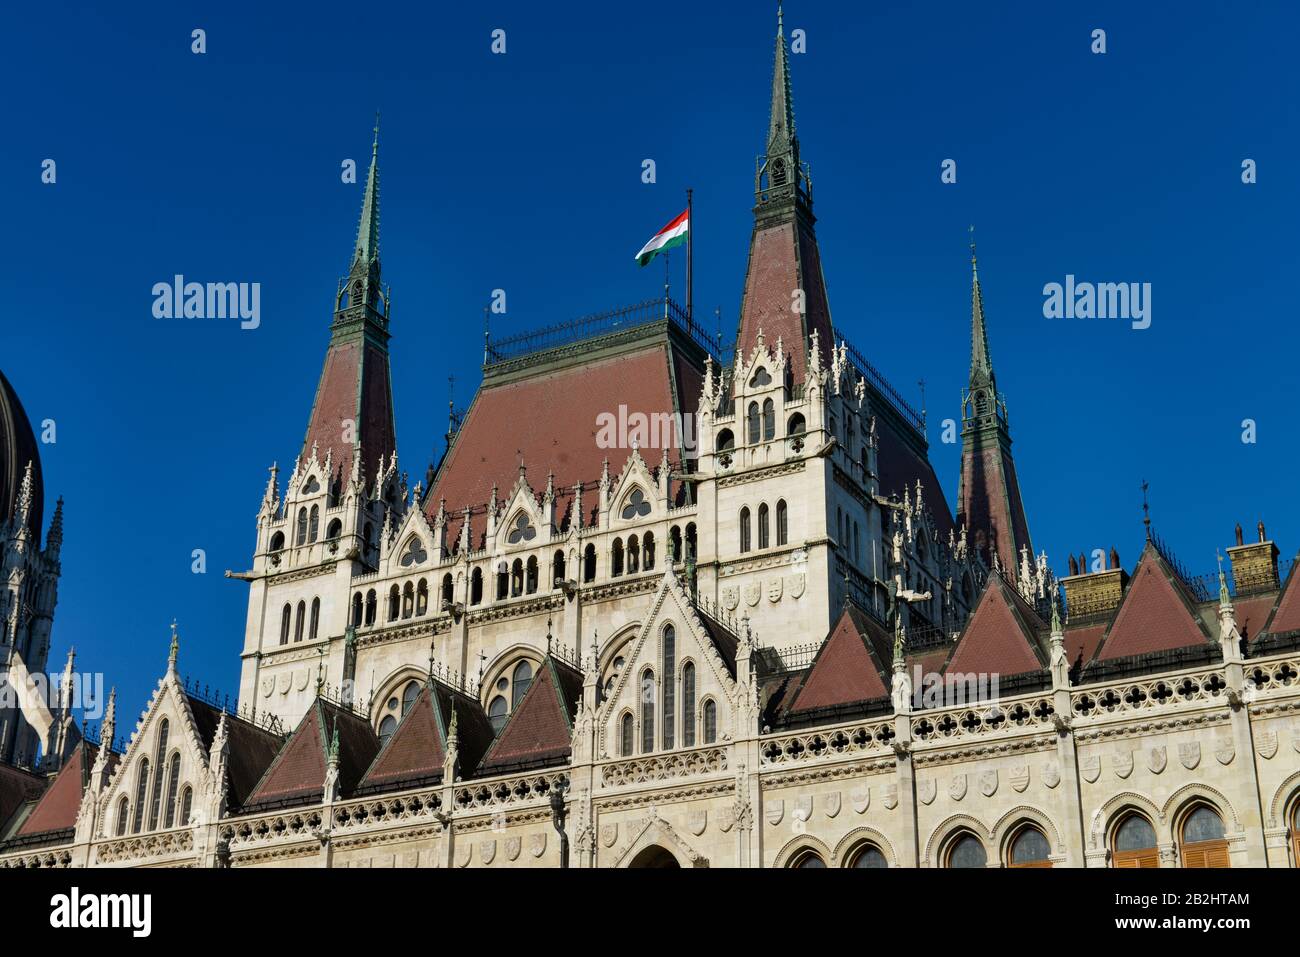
(674, 234)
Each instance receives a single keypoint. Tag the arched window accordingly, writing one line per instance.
(372, 605)
(447, 587)
(503, 581)
(769, 420)
(530, 583)
(408, 600)
(286, 617)
(868, 856)
(409, 694)
(557, 569)
(670, 691)
(675, 544)
(520, 680)
(498, 711)
(386, 729)
(1029, 848)
(517, 578)
(754, 426)
(173, 782)
(710, 721)
(476, 586)
(1135, 843)
(334, 531)
(123, 809)
(763, 541)
(647, 711)
(782, 523)
(966, 851)
(744, 529)
(277, 541)
(796, 425)
(422, 595)
(690, 541)
(726, 441)
(1203, 842)
(300, 621)
(589, 564)
(368, 536)
(688, 705)
(857, 544)
(394, 603)
(633, 555)
(807, 860)
(314, 630)
(302, 526)
(141, 796)
(313, 527)
(160, 752)
(648, 551)
(187, 805)
(627, 727)
(616, 559)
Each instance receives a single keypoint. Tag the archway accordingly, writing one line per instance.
(655, 856)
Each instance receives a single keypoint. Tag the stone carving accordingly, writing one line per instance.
(861, 798)
(730, 597)
(774, 811)
(957, 787)
(890, 798)
(537, 844)
(1019, 777)
(1157, 759)
(608, 834)
(834, 801)
(1090, 767)
(753, 592)
(926, 790)
(1122, 761)
(1052, 774)
(513, 846)
(1266, 744)
(774, 590)
(795, 585)
(1189, 754)
(988, 782)
(696, 821)
(1225, 751)
(487, 851)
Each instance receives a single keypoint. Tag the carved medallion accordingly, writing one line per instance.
(1266, 744)
(487, 851)
(803, 808)
(795, 585)
(283, 681)
(1225, 750)
(774, 590)
(957, 787)
(1122, 761)
(753, 592)
(537, 844)
(774, 811)
(890, 797)
(1019, 777)
(608, 834)
(1090, 767)
(988, 782)
(1189, 754)
(1157, 759)
(696, 821)
(1052, 774)
(730, 597)
(268, 685)
(833, 804)
(861, 798)
(926, 791)
(513, 846)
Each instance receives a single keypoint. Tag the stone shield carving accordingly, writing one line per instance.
(957, 787)
(726, 819)
(753, 593)
(795, 585)
(608, 834)
(774, 590)
(513, 846)
(926, 790)
(730, 597)
(282, 682)
(861, 798)
(463, 854)
(1225, 751)
(696, 821)
(890, 797)
(302, 677)
(774, 811)
(1122, 761)
(1019, 777)
(803, 808)
(988, 782)
(268, 685)
(1157, 759)
(537, 844)
(487, 851)
(1189, 755)
(1090, 768)
(1052, 774)
(1266, 744)
(833, 804)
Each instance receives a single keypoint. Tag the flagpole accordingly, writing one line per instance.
(690, 243)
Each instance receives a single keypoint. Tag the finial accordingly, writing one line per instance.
(320, 666)
(1223, 581)
(175, 648)
(1146, 509)
(971, 229)
(374, 149)
(431, 643)
(548, 636)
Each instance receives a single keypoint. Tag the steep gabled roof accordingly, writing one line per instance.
(297, 775)
(252, 749)
(17, 788)
(56, 812)
(1002, 637)
(847, 670)
(723, 640)
(539, 731)
(1286, 618)
(1157, 614)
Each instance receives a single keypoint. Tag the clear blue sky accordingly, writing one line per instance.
(522, 172)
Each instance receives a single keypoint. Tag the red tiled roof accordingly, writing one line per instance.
(1156, 614)
(297, 775)
(540, 730)
(17, 787)
(415, 752)
(901, 467)
(1252, 613)
(57, 809)
(354, 387)
(991, 508)
(1081, 643)
(549, 420)
(252, 749)
(1287, 616)
(845, 671)
(1001, 637)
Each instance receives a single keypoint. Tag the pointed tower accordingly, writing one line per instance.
(988, 501)
(354, 400)
(785, 294)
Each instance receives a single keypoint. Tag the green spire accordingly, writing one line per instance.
(981, 363)
(781, 176)
(780, 133)
(368, 229)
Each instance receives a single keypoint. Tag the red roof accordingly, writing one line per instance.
(58, 807)
(1287, 616)
(902, 466)
(297, 775)
(1156, 614)
(540, 730)
(846, 670)
(991, 506)
(17, 787)
(354, 387)
(1081, 643)
(1001, 637)
(1252, 613)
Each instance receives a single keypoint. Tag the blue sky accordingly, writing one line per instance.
(522, 172)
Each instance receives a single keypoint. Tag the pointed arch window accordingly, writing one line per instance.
(141, 795)
(753, 423)
(688, 705)
(763, 526)
(690, 540)
(769, 420)
(476, 586)
(448, 593)
(1135, 843)
(517, 579)
(173, 782)
(394, 603)
(160, 752)
(557, 569)
(313, 525)
(498, 711)
(520, 680)
(869, 856)
(408, 600)
(314, 631)
(647, 711)
(386, 729)
(782, 523)
(123, 812)
(358, 603)
(670, 691)
(626, 740)
(966, 851)
(422, 597)
(710, 721)
(648, 551)
(531, 575)
(589, 564)
(1029, 848)
(302, 526)
(187, 805)
(616, 558)
(633, 555)
(300, 621)
(675, 543)
(372, 606)
(744, 529)
(1203, 842)
(409, 694)
(286, 618)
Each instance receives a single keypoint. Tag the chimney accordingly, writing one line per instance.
(1254, 566)
(1094, 594)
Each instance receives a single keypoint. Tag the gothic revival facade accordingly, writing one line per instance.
(740, 628)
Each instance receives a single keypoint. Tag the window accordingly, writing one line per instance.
(414, 553)
(522, 531)
(394, 603)
(187, 804)
(285, 617)
(123, 809)
(302, 526)
(277, 541)
(314, 630)
(966, 851)
(647, 711)
(372, 604)
(1135, 843)
(648, 551)
(616, 558)
(476, 587)
(670, 692)
(753, 423)
(782, 523)
(769, 420)
(726, 441)
(807, 860)
(762, 526)
(141, 792)
(688, 705)
(311, 486)
(675, 544)
(744, 529)
(300, 620)
(868, 856)
(503, 581)
(633, 555)
(173, 782)
(386, 729)
(760, 378)
(422, 595)
(520, 679)
(334, 531)
(589, 564)
(408, 600)
(155, 799)
(710, 721)
(626, 730)
(1029, 848)
(690, 541)
(313, 528)
(530, 579)
(409, 694)
(1203, 843)
(557, 569)
(636, 506)
(498, 710)
(517, 578)
(796, 425)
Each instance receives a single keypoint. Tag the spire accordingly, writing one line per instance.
(981, 363)
(367, 250)
(54, 540)
(782, 180)
(781, 132)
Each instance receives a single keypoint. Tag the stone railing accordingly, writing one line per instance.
(145, 847)
(1149, 694)
(844, 741)
(501, 793)
(1264, 677)
(1030, 713)
(54, 857)
(663, 767)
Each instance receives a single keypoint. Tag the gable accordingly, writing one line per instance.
(58, 806)
(251, 749)
(845, 671)
(1287, 616)
(1001, 636)
(1155, 614)
(298, 771)
(540, 730)
(414, 755)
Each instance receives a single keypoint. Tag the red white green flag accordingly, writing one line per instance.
(674, 234)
